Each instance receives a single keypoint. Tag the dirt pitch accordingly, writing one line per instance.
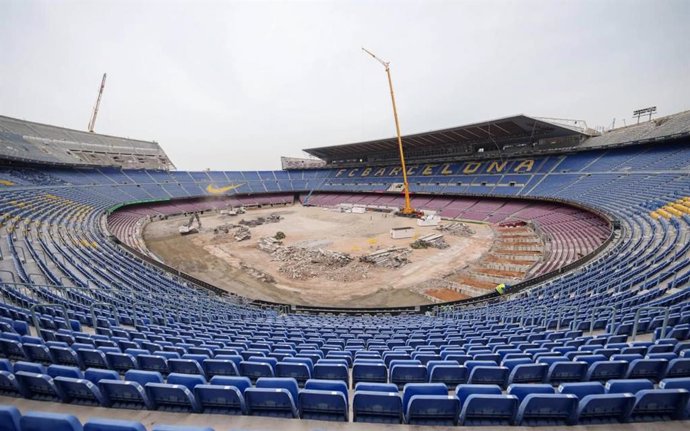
(220, 260)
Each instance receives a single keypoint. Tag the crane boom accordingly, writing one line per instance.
(92, 123)
(407, 210)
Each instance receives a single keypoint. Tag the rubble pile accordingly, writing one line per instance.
(268, 244)
(242, 233)
(393, 257)
(455, 228)
(273, 218)
(224, 228)
(304, 263)
(434, 240)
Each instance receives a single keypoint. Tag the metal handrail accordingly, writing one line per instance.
(93, 312)
(639, 311)
(565, 308)
(602, 308)
(37, 321)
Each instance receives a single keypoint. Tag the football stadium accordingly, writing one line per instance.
(522, 272)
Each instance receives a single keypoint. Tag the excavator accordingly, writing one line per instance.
(188, 229)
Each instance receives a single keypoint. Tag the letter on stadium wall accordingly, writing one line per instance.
(395, 171)
(525, 166)
(411, 170)
(495, 166)
(366, 172)
(380, 172)
(353, 172)
(446, 169)
(428, 170)
(471, 167)
(340, 172)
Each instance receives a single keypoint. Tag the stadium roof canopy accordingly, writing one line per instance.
(501, 131)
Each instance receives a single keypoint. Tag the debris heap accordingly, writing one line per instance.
(433, 240)
(456, 228)
(273, 218)
(304, 263)
(242, 233)
(393, 257)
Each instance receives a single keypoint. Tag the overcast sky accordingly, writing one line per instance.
(236, 84)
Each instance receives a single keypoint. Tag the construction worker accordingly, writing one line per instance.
(501, 288)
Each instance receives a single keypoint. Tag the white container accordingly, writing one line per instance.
(402, 232)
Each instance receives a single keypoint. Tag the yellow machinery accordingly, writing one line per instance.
(407, 210)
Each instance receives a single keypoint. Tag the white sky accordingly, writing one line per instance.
(235, 84)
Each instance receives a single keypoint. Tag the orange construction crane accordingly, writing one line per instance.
(407, 210)
(92, 123)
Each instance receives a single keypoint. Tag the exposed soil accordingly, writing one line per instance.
(219, 259)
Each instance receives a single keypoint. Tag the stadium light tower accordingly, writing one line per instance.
(408, 210)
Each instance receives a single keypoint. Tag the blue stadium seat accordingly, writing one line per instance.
(240, 382)
(660, 405)
(143, 377)
(299, 372)
(323, 405)
(153, 363)
(464, 391)
(427, 393)
(628, 386)
(528, 373)
(79, 391)
(185, 366)
(65, 356)
(494, 410)
(679, 367)
(104, 424)
(39, 421)
(187, 380)
(95, 375)
(255, 370)
(172, 397)
(121, 362)
(601, 371)
(9, 384)
(376, 387)
(220, 399)
(377, 407)
(38, 353)
(6, 365)
(402, 374)
(124, 395)
(488, 375)
(582, 389)
(220, 367)
(9, 418)
(374, 373)
(451, 375)
(272, 402)
(652, 369)
(547, 409)
(522, 390)
(563, 372)
(65, 371)
(432, 410)
(605, 408)
(92, 358)
(30, 367)
(36, 386)
(332, 372)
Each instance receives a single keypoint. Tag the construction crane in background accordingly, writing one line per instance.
(407, 210)
(92, 123)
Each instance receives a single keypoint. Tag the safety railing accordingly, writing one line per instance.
(638, 313)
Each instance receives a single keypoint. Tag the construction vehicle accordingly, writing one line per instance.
(92, 122)
(407, 210)
(188, 229)
(232, 211)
